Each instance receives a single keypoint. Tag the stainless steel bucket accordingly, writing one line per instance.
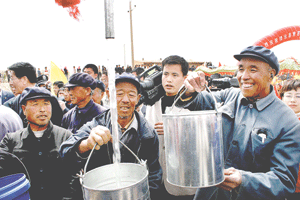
(194, 153)
(121, 181)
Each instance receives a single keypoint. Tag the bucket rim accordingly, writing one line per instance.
(191, 113)
(206, 186)
(110, 190)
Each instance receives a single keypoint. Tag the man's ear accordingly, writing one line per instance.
(24, 109)
(138, 98)
(89, 90)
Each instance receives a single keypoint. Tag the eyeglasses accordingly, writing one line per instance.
(290, 96)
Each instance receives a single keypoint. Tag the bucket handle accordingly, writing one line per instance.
(142, 162)
(183, 89)
(14, 156)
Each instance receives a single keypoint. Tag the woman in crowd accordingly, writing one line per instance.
(290, 95)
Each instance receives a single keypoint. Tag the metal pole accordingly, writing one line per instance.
(131, 34)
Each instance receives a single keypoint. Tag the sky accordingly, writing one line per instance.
(39, 32)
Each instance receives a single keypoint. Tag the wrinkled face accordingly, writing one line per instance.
(254, 78)
(97, 96)
(55, 89)
(292, 99)
(78, 94)
(17, 84)
(172, 79)
(38, 111)
(67, 95)
(90, 72)
(104, 79)
(127, 97)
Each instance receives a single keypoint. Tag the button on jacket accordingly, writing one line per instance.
(262, 140)
(49, 179)
(77, 117)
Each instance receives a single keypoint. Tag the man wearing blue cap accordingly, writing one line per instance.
(81, 86)
(99, 92)
(261, 140)
(134, 130)
(38, 144)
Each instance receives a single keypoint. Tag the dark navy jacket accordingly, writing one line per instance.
(6, 95)
(77, 117)
(143, 142)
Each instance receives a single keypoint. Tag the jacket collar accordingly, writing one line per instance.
(27, 132)
(261, 103)
(85, 109)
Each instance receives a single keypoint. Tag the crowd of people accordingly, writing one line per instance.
(53, 135)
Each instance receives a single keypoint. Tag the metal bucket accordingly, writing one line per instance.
(194, 153)
(121, 181)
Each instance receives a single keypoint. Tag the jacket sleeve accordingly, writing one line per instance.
(282, 177)
(68, 149)
(150, 152)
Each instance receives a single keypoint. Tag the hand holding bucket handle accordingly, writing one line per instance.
(99, 135)
(142, 162)
(194, 83)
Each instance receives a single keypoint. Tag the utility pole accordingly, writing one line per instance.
(131, 34)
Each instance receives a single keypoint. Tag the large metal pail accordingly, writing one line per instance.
(121, 181)
(194, 148)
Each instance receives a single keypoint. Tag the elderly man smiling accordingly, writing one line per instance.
(260, 133)
(38, 144)
(134, 130)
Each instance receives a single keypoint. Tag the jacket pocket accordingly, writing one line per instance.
(262, 148)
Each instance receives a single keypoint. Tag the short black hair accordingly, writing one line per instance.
(59, 84)
(24, 69)
(93, 67)
(173, 60)
(138, 70)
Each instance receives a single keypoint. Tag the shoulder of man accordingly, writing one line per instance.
(62, 132)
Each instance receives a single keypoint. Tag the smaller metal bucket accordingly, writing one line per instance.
(119, 181)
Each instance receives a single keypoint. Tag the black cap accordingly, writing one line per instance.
(100, 85)
(42, 79)
(35, 93)
(261, 53)
(81, 79)
(128, 77)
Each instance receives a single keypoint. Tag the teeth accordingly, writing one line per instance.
(247, 85)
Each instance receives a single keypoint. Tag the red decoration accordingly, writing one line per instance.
(277, 37)
(72, 7)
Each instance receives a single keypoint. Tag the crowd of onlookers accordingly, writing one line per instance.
(52, 127)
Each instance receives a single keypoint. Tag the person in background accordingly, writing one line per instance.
(41, 81)
(23, 75)
(81, 86)
(137, 72)
(136, 133)
(5, 95)
(56, 86)
(92, 70)
(65, 103)
(290, 95)
(99, 92)
(61, 93)
(261, 140)
(37, 146)
(104, 79)
(174, 72)
(10, 121)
